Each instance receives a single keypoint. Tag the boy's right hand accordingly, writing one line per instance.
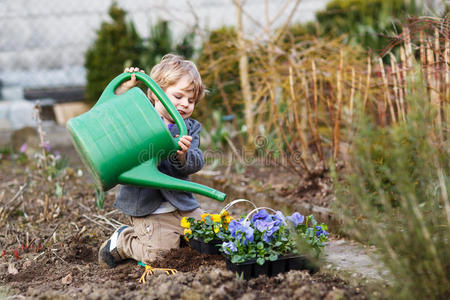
(129, 83)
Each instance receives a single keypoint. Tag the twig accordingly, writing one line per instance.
(99, 224)
(50, 236)
(37, 108)
(39, 255)
(84, 206)
(54, 252)
(113, 223)
(19, 192)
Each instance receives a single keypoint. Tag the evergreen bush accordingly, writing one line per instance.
(366, 22)
(160, 42)
(117, 46)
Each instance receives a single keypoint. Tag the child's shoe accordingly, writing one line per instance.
(108, 256)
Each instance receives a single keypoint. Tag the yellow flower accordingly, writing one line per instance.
(185, 223)
(227, 217)
(216, 218)
(187, 231)
(204, 216)
(216, 229)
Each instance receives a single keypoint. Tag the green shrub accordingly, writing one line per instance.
(219, 66)
(396, 196)
(160, 42)
(117, 46)
(365, 21)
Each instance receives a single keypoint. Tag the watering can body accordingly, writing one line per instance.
(122, 139)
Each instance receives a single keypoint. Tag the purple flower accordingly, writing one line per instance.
(278, 218)
(248, 231)
(320, 231)
(241, 231)
(228, 247)
(262, 214)
(23, 148)
(46, 146)
(233, 227)
(296, 219)
(261, 225)
(279, 215)
(268, 228)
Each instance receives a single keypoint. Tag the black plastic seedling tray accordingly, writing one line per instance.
(207, 248)
(251, 269)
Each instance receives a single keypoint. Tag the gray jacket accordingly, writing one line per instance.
(141, 201)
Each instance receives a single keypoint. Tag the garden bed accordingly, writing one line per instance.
(61, 239)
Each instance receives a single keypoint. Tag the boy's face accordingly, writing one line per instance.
(181, 98)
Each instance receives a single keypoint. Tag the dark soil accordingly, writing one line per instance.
(283, 188)
(49, 245)
(187, 259)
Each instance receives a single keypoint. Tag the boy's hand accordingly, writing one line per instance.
(129, 83)
(184, 142)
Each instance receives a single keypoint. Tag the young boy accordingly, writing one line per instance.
(155, 214)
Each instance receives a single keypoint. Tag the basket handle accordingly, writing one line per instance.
(234, 202)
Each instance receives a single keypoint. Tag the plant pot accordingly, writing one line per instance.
(210, 248)
(250, 269)
(280, 265)
(195, 244)
(245, 269)
(261, 269)
(207, 248)
(300, 262)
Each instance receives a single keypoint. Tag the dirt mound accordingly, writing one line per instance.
(188, 260)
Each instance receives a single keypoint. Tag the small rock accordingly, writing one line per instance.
(12, 270)
(67, 279)
(26, 264)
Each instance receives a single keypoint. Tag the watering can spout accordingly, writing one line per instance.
(147, 174)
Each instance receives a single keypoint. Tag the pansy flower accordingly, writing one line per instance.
(260, 215)
(296, 219)
(229, 247)
(320, 231)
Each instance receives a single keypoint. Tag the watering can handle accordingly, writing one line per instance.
(108, 93)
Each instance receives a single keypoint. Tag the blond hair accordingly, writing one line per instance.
(171, 69)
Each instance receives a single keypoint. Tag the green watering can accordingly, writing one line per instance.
(122, 139)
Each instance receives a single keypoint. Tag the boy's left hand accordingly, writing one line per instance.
(184, 142)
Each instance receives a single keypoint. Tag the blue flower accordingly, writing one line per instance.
(260, 215)
(229, 247)
(320, 231)
(296, 219)
(241, 231)
(261, 225)
(278, 218)
(233, 227)
(248, 234)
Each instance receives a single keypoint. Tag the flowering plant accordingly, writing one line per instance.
(210, 227)
(267, 236)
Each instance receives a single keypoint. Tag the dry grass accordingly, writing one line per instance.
(306, 92)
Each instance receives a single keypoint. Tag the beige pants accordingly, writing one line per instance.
(150, 236)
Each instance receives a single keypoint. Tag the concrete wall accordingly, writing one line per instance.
(43, 42)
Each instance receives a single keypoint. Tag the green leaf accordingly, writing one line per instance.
(273, 257)
(208, 220)
(260, 261)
